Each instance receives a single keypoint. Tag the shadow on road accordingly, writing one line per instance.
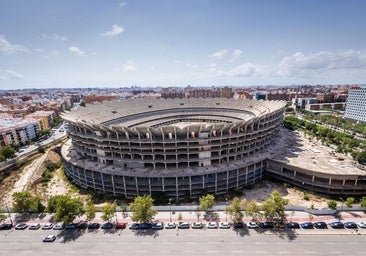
(68, 235)
(284, 233)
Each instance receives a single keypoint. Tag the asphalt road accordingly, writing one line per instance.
(181, 242)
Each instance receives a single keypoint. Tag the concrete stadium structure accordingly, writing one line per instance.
(181, 147)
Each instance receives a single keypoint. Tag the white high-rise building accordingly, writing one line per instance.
(356, 104)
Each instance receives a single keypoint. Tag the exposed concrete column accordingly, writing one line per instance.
(150, 186)
(216, 183)
(344, 182)
(114, 190)
(227, 181)
(163, 183)
(176, 187)
(246, 175)
(356, 182)
(101, 178)
(203, 181)
(137, 185)
(190, 185)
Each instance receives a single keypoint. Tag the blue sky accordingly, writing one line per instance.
(114, 43)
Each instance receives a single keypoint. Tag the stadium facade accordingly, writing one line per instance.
(356, 104)
(181, 147)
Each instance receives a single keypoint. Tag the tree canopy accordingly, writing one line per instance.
(141, 209)
(25, 202)
(274, 207)
(65, 207)
(235, 211)
(252, 209)
(207, 202)
(108, 211)
(6, 152)
(90, 211)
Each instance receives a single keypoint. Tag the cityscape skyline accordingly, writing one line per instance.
(175, 43)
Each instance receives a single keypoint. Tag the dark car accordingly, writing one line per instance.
(82, 225)
(293, 225)
(320, 225)
(93, 225)
(266, 224)
(70, 226)
(107, 225)
(350, 224)
(6, 226)
(158, 226)
(337, 225)
(145, 226)
(134, 226)
(238, 225)
(307, 225)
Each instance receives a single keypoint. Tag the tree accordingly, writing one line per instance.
(66, 208)
(361, 157)
(252, 209)
(108, 211)
(7, 152)
(82, 104)
(332, 205)
(22, 201)
(207, 202)
(234, 210)
(363, 201)
(36, 204)
(141, 209)
(274, 207)
(349, 202)
(90, 211)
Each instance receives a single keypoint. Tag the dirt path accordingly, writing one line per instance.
(25, 178)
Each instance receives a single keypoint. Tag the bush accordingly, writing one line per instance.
(306, 197)
(332, 205)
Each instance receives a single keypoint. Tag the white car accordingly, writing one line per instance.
(197, 225)
(58, 226)
(224, 225)
(170, 225)
(47, 226)
(49, 238)
(252, 224)
(362, 224)
(212, 225)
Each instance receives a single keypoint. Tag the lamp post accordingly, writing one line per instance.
(340, 214)
(170, 209)
(226, 203)
(7, 209)
(115, 209)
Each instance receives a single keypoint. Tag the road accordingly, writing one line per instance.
(182, 242)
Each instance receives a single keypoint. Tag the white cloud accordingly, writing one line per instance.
(177, 61)
(302, 64)
(191, 65)
(236, 54)
(13, 75)
(212, 68)
(55, 37)
(75, 50)
(7, 48)
(116, 30)
(122, 4)
(219, 54)
(245, 70)
(130, 66)
(3, 77)
(53, 54)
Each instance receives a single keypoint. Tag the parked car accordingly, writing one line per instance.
(170, 225)
(183, 225)
(134, 226)
(145, 225)
(350, 224)
(157, 226)
(34, 226)
(362, 224)
(224, 225)
(307, 225)
(6, 226)
(21, 226)
(70, 226)
(47, 226)
(252, 224)
(266, 224)
(337, 224)
(320, 225)
(58, 226)
(49, 238)
(121, 225)
(82, 225)
(238, 224)
(107, 225)
(93, 225)
(293, 225)
(197, 225)
(212, 225)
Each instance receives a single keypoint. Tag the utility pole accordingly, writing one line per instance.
(170, 209)
(7, 209)
(226, 203)
(115, 209)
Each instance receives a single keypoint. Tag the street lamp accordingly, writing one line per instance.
(170, 209)
(115, 209)
(7, 209)
(226, 203)
(340, 216)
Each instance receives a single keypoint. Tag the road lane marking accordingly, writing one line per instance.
(213, 251)
(118, 252)
(237, 251)
(261, 252)
(141, 251)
